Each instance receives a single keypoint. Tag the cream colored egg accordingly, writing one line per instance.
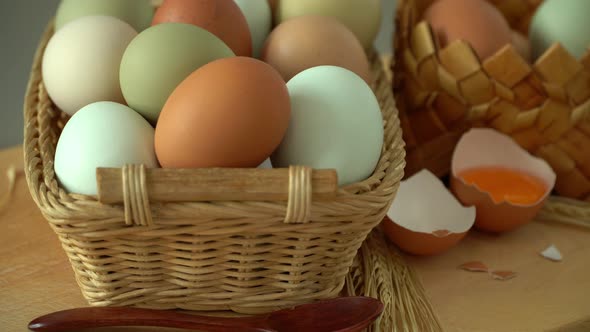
(81, 62)
(103, 134)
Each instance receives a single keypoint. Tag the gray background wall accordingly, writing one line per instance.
(21, 25)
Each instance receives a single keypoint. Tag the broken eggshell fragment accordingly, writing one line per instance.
(552, 254)
(425, 218)
(485, 148)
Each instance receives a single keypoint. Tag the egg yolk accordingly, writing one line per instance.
(503, 184)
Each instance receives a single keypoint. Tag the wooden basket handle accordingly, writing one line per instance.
(136, 186)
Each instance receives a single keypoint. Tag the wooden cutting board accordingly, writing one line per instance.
(36, 278)
(544, 296)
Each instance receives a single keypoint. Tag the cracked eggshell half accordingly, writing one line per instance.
(481, 148)
(425, 218)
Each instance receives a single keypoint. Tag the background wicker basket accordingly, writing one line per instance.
(443, 92)
(207, 256)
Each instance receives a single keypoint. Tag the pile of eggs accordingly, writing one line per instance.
(482, 25)
(210, 83)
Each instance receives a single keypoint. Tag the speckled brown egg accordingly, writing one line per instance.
(222, 18)
(310, 41)
(231, 112)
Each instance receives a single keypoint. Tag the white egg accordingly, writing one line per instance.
(103, 134)
(336, 122)
(259, 17)
(82, 60)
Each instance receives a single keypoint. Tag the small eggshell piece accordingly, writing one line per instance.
(552, 254)
(503, 275)
(474, 266)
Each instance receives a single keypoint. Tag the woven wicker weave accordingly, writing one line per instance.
(443, 92)
(205, 256)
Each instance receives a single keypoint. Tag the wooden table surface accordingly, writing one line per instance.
(36, 278)
(544, 296)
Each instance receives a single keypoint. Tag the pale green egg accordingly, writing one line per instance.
(102, 134)
(160, 58)
(336, 123)
(561, 21)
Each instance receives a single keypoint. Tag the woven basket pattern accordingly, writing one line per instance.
(443, 92)
(237, 256)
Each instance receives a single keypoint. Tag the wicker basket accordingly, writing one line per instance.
(207, 256)
(443, 92)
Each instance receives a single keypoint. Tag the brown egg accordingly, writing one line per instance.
(309, 41)
(231, 112)
(475, 21)
(222, 18)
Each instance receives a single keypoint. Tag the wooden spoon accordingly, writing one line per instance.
(345, 314)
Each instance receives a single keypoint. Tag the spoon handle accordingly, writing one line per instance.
(81, 318)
